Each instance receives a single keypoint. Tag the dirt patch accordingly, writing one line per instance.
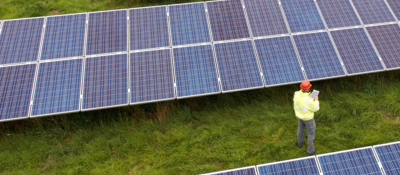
(54, 12)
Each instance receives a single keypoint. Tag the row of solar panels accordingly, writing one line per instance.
(65, 79)
(377, 160)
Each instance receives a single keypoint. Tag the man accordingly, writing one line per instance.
(304, 107)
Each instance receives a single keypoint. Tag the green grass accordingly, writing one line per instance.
(196, 135)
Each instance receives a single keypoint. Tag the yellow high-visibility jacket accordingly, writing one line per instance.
(304, 105)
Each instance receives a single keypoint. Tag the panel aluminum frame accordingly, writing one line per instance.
(291, 160)
(236, 169)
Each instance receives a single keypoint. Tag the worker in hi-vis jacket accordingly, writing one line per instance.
(304, 107)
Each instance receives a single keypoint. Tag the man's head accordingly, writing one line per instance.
(305, 86)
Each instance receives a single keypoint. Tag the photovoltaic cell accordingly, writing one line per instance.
(389, 155)
(151, 76)
(188, 24)
(357, 52)
(265, 17)
(148, 28)
(64, 37)
(302, 16)
(195, 71)
(227, 20)
(387, 42)
(338, 13)
(240, 171)
(318, 56)
(238, 66)
(57, 87)
(107, 32)
(395, 6)
(105, 81)
(304, 166)
(373, 11)
(278, 61)
(20, 40)
(361, 161)
(16, 84)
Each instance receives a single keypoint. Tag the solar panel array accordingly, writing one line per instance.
(113, 58)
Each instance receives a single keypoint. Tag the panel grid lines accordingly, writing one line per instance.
(373, 11)
(239, 171)
(395, 6)
(339, 13)
(389, 155)
(302, 16)
(307, 166)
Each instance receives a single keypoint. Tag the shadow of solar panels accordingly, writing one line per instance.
(302, 166)
(151, 76)
(356, 51)
(358, 161)
(105, 82)
(227, 20)
(302, 16)
(20, 40)
(16, 83)
(251, 170)
(373, 11)
(237, 65)
(338, 13)
(395, 6)
(188, 24)
(107, 32)
(64, 36)
(278, 61)
(389, 157)
(387, 42)
(148, 27)
(318, 56)
(58, 88)
(195, 71)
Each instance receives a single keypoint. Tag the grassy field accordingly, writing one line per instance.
(196, 135)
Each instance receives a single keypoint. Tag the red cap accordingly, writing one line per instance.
(305, 85)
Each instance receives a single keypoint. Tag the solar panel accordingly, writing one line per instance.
(306, 166)
(318, 56)
(373, 11)
(20, 40)
(338, 13)
(64, 36)
(356, 51)
(265, 17)
(57, 87)
(107, 32)
(302, 16)
(389, 156)
(195, 71)
(16, 84)
(105, 82)
(227, 20)
(387, 42)
(395, 6)
(239, 171)
(238, 66)
(151, 76)
(148, 28)
(188, 24)
(278, 61)
(358, 161)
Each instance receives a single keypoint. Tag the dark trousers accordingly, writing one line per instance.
(310, 125)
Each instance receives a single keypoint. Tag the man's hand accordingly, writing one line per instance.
(315, 98)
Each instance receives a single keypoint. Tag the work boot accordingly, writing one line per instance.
(315, 152)
(300, 146)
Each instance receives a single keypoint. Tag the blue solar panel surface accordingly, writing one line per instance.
(238, 66)
(241, 171)
(387, 41)
(395, 6)
(302, 16)
(357, 162)
(188, 24)
(64, 37)
(105, 81)
(306, 166)
(356, 51)
(373, 11)
(278, 61)
(195, 71)
(265, 17)
(227, 20)
(107, 32)
(148, 28)
(16, 84)
(20, 40)
(151, 76)
(389, 155)
(57, 87)
(318, 56)
(338, 13)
